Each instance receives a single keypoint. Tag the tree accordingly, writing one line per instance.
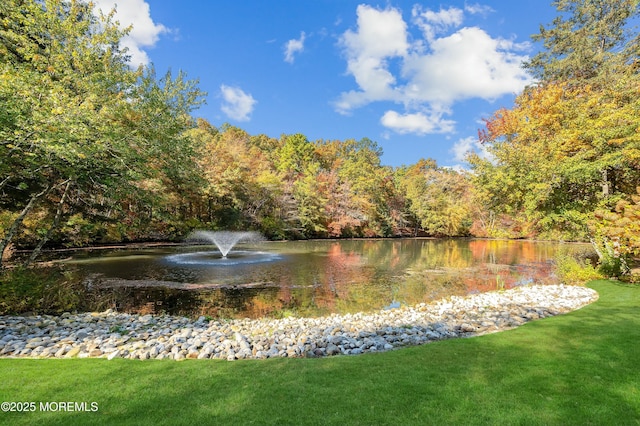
(590, 38)
(79, 128)
(242, 187)
(371, 186)
(294, 154)
(164, 171)
(343, 214)
(309, 195)
(571, 142)
(49, 53)
(438, 198)
(550, 151)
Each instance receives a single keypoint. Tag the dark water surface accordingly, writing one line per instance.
(311, 278)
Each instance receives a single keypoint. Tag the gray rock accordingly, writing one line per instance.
(332, 349)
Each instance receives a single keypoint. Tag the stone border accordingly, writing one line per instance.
(116, 335)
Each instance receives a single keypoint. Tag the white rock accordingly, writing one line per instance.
(176, 337)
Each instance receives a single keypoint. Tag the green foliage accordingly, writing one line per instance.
(309, 198)
(440, 199)
(576, 269)
(612, 264)
(568, 225)
(272, 228)
(369, 187)
(294, 154)
(81, 131)
(582, 41)
(571, 144)
(292, 187)
(42, 291)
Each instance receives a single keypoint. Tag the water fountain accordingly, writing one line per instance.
(225, 241)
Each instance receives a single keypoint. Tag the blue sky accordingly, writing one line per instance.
(416, 77)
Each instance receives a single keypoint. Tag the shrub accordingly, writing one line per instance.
(576, 269)
(617, 236)
(40, 290)
(613, 264)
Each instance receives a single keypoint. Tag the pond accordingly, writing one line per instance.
(310, 278)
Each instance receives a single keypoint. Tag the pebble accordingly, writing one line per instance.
(113, 335)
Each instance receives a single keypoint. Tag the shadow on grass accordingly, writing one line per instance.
(580, 368)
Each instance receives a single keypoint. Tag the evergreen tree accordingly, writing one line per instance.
(589, 39)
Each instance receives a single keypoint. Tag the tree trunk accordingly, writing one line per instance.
(11, 232)
(606, 189)
(596, 248)
(54, 225)
(4, 181)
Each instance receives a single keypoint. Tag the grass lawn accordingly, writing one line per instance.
(577, 369)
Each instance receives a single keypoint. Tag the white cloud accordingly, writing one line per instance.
(459, 168)
(236, 104)
(468, 145)
(429, 73)
(144, 33)
(381, 35)
(432, 23)
(478, 9)
(418, 123)
(292, 47)
(467, 64)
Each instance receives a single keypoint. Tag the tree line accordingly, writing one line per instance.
(92, 151)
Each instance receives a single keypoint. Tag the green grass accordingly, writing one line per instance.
(577, 369)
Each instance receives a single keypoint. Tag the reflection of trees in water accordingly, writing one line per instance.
(345, 271)
(147, 300)
(430, 286)
(360, 275)
(511, 252)
(369, 274)
(239, 302)
(488, 277)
